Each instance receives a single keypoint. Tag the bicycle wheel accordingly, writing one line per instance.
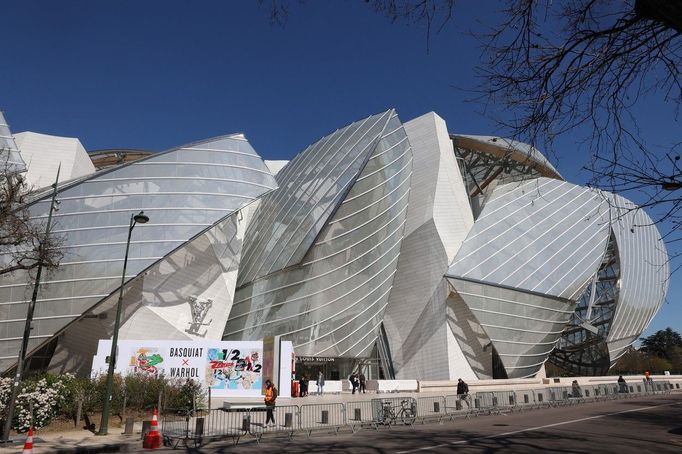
(407, 416)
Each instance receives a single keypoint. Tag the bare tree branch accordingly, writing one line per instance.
(23, 241)
(566, 67)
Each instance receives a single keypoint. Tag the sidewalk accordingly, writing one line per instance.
(78, 441)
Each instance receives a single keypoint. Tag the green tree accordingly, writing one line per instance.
(632, 362)
(662, 343)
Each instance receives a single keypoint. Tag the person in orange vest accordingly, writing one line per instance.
(270, 398)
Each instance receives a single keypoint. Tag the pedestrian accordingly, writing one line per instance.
(320, 383)
(270, 398)
(622, 385)
(575, 389)
(302, 386)
(362, 388)
(353, 379)
(463, 391)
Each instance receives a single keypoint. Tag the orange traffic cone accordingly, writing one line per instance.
(28, 445)
(153, 438)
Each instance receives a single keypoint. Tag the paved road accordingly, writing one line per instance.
(649, 424)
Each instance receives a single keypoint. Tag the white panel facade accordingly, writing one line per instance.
(275, 166)
(438, 220)
(44, 153)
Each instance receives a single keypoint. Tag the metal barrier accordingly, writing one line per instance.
(322, 416)
(359, 414)
(492, 402)
(395, 410)
(568, 396)
(540, 399)
(554, 396)
(524, 399)
(504, 400)
(221, 423)
(431, 408)
(176, 428)
(599, 393)
(196, 428)
(483, 403)
(285, 418)
(455, 405)
(186, 428)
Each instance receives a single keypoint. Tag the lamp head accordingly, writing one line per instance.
(141, 218)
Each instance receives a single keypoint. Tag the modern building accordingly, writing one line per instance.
(395, 247)
(67, 153)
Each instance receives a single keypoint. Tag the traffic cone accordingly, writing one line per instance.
(28, 445)
(153, 438)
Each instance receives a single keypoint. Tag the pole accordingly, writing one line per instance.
(29, 318)
(104, 425)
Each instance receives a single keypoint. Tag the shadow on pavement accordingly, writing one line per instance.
(393, 441)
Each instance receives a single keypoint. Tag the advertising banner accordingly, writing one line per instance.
(229, 368)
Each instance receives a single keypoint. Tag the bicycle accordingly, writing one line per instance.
(405, 412)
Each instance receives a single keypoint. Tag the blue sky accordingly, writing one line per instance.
(156, 74)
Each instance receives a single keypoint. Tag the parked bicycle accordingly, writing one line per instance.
(404, 413)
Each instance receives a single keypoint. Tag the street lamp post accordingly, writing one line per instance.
(29, 316)
(104, 425)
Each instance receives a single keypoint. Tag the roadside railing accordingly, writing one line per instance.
(196, 428)
(359, 415)
(328, 417)
(431, 408)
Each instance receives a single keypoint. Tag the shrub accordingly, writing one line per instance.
(50, 395)
(43, 395)
(184, 396)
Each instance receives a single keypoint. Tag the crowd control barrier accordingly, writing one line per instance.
(197, 428)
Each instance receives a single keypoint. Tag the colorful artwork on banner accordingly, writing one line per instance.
(233, 368)
(230, 368)
(145, 360)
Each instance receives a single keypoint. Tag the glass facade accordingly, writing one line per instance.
(184, 191)
(331, 302)
(582, 348)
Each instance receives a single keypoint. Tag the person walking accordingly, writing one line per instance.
(320, 383)
(463, 392)
(353, 379)
(302, 386)
(270, 398)
(362, 388)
